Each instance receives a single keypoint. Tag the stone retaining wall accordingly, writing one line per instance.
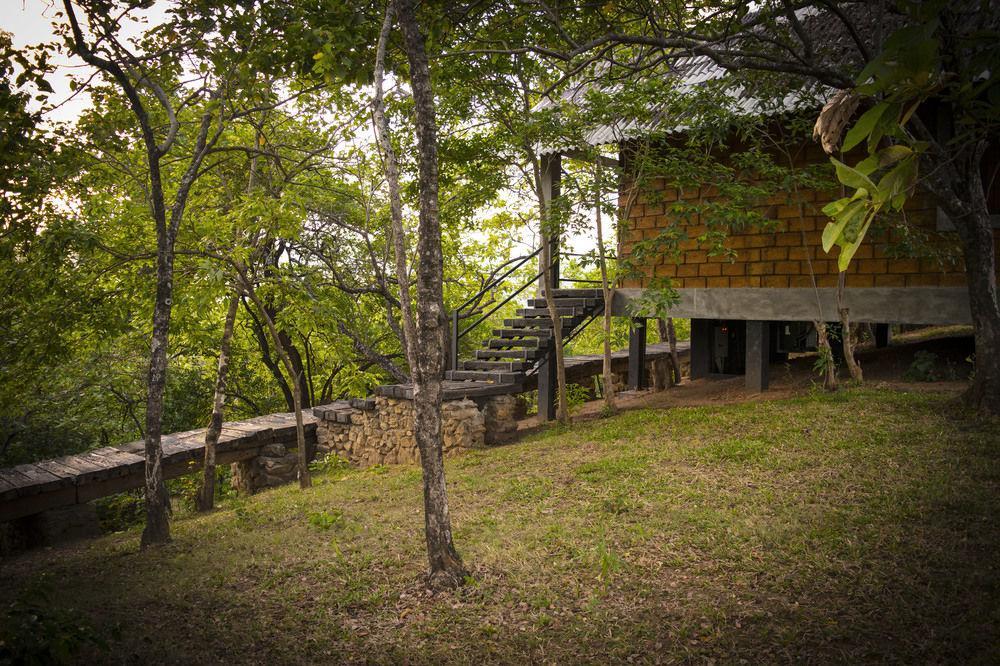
(381, 431)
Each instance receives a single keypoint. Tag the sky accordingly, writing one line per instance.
(30, 22)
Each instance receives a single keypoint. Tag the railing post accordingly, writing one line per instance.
(453, 342)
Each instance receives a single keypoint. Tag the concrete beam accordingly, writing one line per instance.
(897, 305)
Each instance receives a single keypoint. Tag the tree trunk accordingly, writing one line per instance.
(395, 195)
(562, 406)
(847, 334)
(959, 189)
(826, 354)
(305, 479)
(668, 334)
(206, 497)
(157, 529)
(609, 378)
(445, 566)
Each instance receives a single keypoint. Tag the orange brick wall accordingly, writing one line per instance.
(780, 256)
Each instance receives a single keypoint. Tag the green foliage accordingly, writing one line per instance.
(122, 511)
(332, 465)
(576, 395)
(325, 520)
(34, 632)
(923, 368)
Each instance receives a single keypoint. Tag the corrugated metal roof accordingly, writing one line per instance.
(690, 73)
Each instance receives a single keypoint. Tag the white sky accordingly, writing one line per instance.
(30, 22)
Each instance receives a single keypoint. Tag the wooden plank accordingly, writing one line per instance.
(57, 468)
(36, 480)
(12, 482)
(83, 466)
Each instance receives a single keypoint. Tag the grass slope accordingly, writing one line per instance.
(859, 526)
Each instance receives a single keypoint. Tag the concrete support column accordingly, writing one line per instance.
(883, 335)
(547, 383)
(637, 354)
(701, 347)
(758, 355)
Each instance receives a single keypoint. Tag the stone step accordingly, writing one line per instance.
(485, 376)
(512, 354)
(497, 366)
(522, 333)
(508, 343)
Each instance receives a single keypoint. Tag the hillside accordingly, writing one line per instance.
(858, 526)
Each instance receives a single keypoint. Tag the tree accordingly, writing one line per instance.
(206, 496)
(446, 568)
(131, 74)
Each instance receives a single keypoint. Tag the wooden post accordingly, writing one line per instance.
(547, 383)
(637, 354)
(551, 166)
(758, 355)
(883, 335)
(701, 347)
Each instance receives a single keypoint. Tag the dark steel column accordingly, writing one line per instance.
(547, 383)
(637, 354)
(883, 335)
(701, 347)
(758, 355)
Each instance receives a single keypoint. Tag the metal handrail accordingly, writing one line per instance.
(457, 333)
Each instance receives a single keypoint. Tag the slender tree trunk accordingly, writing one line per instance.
(668, 334)
(959, 188)
(445, 566)
(157, 529)
(826, 353)
(305, 479)
(562, 406)
(395, 196)
(609, 378)
(847, 335)
(206, 497)
(674, 359)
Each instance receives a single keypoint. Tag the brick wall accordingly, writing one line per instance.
(781, 255)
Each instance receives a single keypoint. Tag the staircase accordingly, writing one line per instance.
(517, 350)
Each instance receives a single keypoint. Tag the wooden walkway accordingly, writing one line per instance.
(35, 487)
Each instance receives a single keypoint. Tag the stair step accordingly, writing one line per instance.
(496, 366)
(508, 343)
(538, 322)
(485, 376)
(522, 332)
(544, 312)
(577, 293)
(515, 354)
(565, 302)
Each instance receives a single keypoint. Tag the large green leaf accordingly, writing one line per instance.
(851, 177)
(848, 249)
(864, 125)
(834, 230)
